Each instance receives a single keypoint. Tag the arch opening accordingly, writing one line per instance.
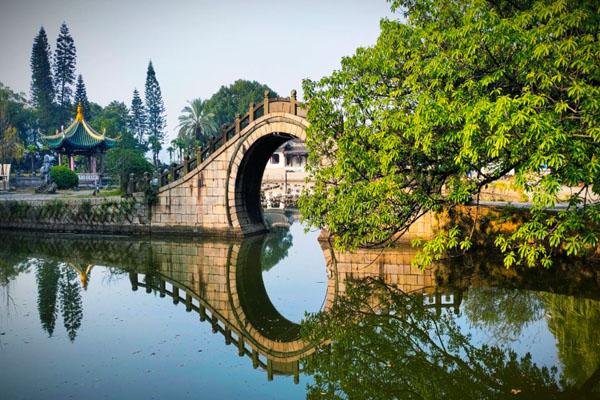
(249, 179)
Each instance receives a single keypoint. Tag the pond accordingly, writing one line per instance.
(284, 316)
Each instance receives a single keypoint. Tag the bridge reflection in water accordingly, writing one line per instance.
(222, 282)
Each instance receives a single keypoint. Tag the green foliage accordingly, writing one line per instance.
(64, 72)
(235, 99)
(81, 98)
(15, 112)
(450, 101)
(42, 86)
(137, 119)
(11, 148)
(196, 125)
(63, 177)
(155, 113)
(122, 162)
(114, 121)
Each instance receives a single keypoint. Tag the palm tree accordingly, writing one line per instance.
(196, 124)
(179, 144)
(170, 150)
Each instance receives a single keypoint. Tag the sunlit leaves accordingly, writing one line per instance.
(450, 101)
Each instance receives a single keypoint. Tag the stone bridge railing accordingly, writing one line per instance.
(255, 111)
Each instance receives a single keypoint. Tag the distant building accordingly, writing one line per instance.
(284, 176)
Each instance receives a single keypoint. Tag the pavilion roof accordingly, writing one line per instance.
(79, 137)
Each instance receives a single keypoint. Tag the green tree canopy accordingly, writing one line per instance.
(451, 100)
(196, 124)
(155, 113)
(42, 86)
(64, 72)
(81, 98)
(235, 99)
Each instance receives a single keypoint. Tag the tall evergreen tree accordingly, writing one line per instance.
(137, 119)
(155, 110)
(64, 71)
(81, 97)
(42, 89)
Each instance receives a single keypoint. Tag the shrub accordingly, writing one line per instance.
(64, 177)
(122, 162)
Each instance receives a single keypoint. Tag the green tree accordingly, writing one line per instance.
(450, 101)
(155, 112)
(196, 124)
(81, 98)
(64, 72)
(235, 99)
(42, 87)
(16, 112)
(137, 118)
(11, 147)
(120, 162)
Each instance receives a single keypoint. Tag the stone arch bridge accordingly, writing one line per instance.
(217, 191)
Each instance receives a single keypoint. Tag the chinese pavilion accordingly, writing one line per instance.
(80, 138)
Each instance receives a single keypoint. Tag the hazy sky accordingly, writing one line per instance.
(195, 46)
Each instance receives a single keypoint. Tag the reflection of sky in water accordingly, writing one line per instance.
(298, 283)
(130, 345)
(139, 346)
(534, 338)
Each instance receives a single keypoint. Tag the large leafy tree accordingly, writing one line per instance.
(42, 87)
(451, 100)
(155, 112)
(81, 98)
(16, 112)
(196, 124)
(137, 118)
(64, 72)
(235, 99)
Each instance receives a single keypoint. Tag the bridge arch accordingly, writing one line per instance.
(218, 190)
(247, 165)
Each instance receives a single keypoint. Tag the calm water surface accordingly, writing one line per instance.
(101, 317)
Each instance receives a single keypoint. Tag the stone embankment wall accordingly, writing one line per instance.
(97, 215)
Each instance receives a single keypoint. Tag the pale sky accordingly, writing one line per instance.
(195, 46)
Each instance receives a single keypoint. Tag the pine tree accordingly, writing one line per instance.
(137, 119)
(64, 71)
(42, 89)
(155, 110)
(81, 98)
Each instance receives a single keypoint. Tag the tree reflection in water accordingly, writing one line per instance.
(381, 343)
(47, 276)
(70, 300)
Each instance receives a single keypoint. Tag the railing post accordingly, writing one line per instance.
(293, 103)
(251, 112)
(224, 134)
(188, 301)
(186, 164)
(173, 166)
(241, 350)
(237, 123)
(266, 102)
(198, 155)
